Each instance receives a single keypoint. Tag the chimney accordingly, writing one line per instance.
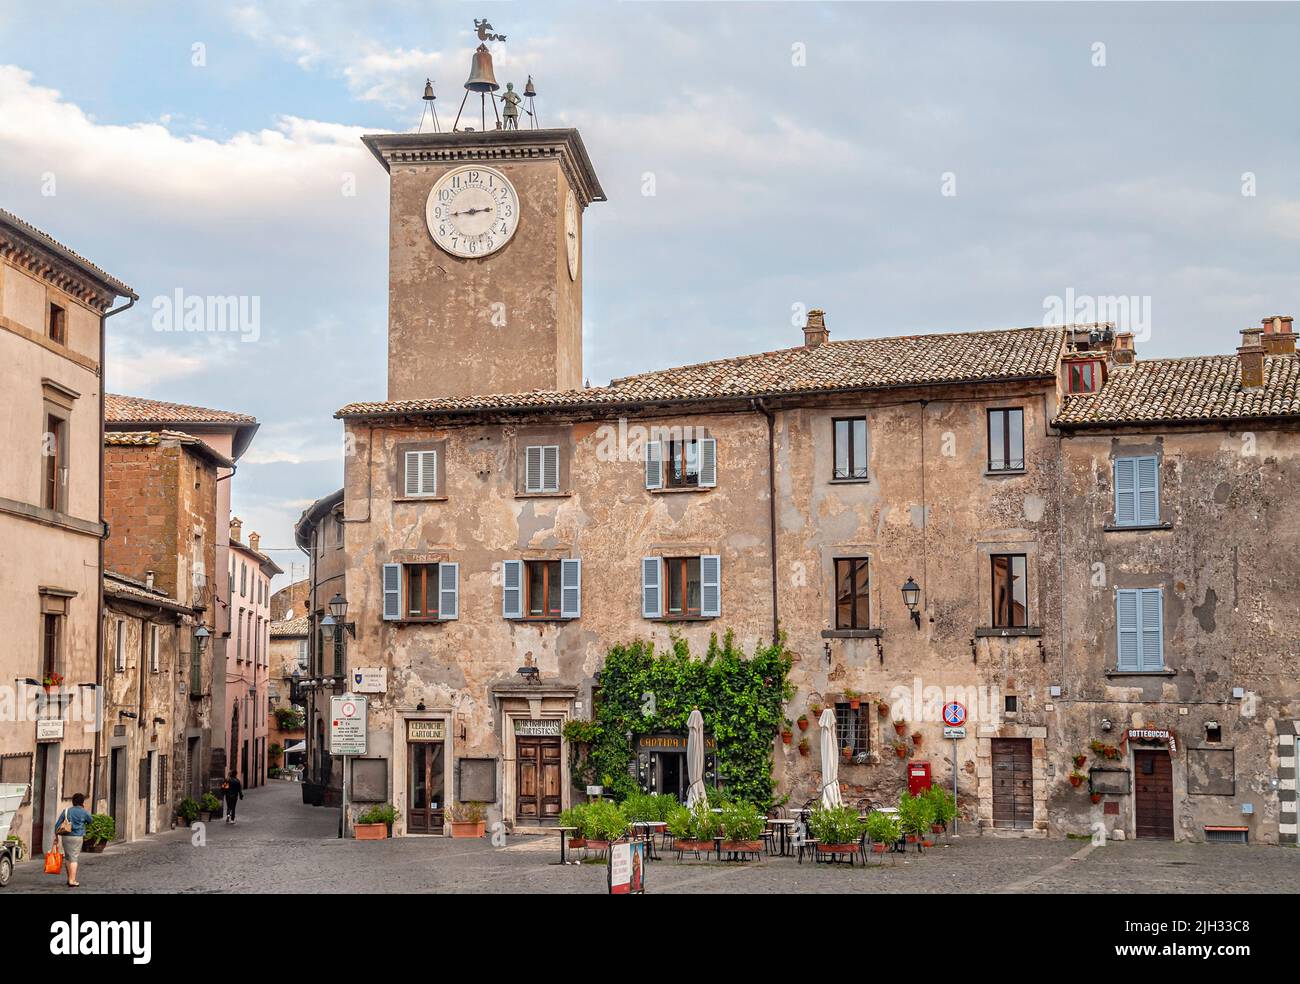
(236, 527)
(1278, 337)
(148, 579)
(1250, 354)
(814, 332)
(1123, 352)
(253, 540)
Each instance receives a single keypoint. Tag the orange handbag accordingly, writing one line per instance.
(54, 861)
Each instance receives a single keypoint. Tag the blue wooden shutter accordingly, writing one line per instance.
(551, 468)
(392, 592)
(654, 465)
(708, 463)
(1148, 491)
(449, 591)
(512, 583)
(651, 587)
(1153, 630)
(711, 585)
(1126, 621)
(570, 588)
(1125, 492)
(533, 469)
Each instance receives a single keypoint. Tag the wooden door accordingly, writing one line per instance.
(425, 808)
(1013, 784)
(538, 779)
(1153, 789)
(39, 778)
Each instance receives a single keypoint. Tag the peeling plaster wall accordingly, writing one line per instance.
(1228, 566)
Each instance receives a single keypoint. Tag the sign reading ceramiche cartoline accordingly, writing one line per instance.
(348, 725)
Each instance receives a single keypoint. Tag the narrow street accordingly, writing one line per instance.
(279, 845)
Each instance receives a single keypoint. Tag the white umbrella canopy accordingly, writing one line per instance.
(830, 762)
(695, 759)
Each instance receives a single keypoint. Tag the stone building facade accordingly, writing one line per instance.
(161, 490)
(921, 519)
(149, 638)
(290, 662)
(53, 310)
(248, 657)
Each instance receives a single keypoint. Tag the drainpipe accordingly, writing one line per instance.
(103, 524)
(761, 407)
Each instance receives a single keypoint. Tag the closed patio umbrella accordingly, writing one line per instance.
(830, 762)
(695, 759)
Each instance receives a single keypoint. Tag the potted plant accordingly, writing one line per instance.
(816, 708)
(854, 699)
(99, 831)
(377, 821)
(52, 681)
(741, 827)
(468, 819)
(883, 830)
(1096, 797)
(900, 727)
(576, 817)
(944, 808)
(693, 829)
(803, 722)
(787, 734)
(210, 807)
(915, 814)
(916, 738)
(882, 709)
(803, 746)
(900, 749)
(1077, 778)
(605, 823)
(847, 752)
(1097, 747)
(187, 811)
(838, 830)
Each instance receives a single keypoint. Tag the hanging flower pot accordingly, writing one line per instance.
(900, 727)
(847, 752)
(803, 746)
(787, 736)
(1096, 797)
(1079, 760)
(900, 751)
(916, 737)
(816, 709)
(883, 709)
(803, 722)
(1076, 779)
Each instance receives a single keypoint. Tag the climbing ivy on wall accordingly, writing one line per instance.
(741, 697)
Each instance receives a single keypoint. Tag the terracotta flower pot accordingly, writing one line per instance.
(595, 845)
(1096, 797)
(466, 829)
(741, 846)
(683, 844)
(846, 753)
(936, 828)
(855, 703)
(803, 724)
(916, 737)
(1079, 760)
(900, 727)
(1076, 781)
(911, 838)
(838, 848)
(803, 748)
(577, 842)
(786, 737)
(927, 843)
(370, 831)
(879, 848)
(901, 751)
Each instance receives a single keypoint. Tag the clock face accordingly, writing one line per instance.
(472, 211)
(571, 235)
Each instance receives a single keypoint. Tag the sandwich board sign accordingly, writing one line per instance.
(348, 725)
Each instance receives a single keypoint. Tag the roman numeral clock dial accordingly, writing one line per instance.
(472, 211)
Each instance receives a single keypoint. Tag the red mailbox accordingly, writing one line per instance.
(918, 777)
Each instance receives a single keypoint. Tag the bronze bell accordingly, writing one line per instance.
(428, 91)
(530, 90)
(481, 77)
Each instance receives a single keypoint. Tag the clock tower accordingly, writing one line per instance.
(485, 260)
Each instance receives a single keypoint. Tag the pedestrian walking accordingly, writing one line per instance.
(71, 828)
(233, 791)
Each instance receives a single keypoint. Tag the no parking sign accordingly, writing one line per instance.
(954, 720)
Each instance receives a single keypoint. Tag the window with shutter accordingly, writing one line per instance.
(1139, 616)
(710, 586)
(651, 587)
(1126, 620)
(449, 591)
(570, 588)
(1137, 491)
(542, 468)
(708, 463)
(392, 575)
(654, 465)
(1153, 632)
(421, 474)
(512, 601)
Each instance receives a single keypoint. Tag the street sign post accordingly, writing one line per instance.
(954, 727)
(347, 738)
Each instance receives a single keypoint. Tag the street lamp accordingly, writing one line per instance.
(339, 607)
(201, 635)
(911, 598)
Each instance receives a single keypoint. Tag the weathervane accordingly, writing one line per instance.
(485, 31)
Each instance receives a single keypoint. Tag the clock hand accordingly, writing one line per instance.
(472, 211)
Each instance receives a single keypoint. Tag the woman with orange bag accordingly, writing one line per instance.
(71, 829)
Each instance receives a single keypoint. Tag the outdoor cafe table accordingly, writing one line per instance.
(647, 830)
(564, 839)
(783, 828)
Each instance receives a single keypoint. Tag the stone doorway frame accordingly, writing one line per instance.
(984, 776)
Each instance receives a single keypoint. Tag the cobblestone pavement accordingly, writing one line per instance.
(279, 846)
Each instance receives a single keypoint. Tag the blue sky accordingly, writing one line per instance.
(800, 154)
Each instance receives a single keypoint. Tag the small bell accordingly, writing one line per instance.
(428, 91)
(530, 90)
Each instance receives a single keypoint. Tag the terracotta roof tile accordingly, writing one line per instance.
(49, 242)
(867, 363)
(291, 627)
(144, 439)
(137, 410)
(1186, 390)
